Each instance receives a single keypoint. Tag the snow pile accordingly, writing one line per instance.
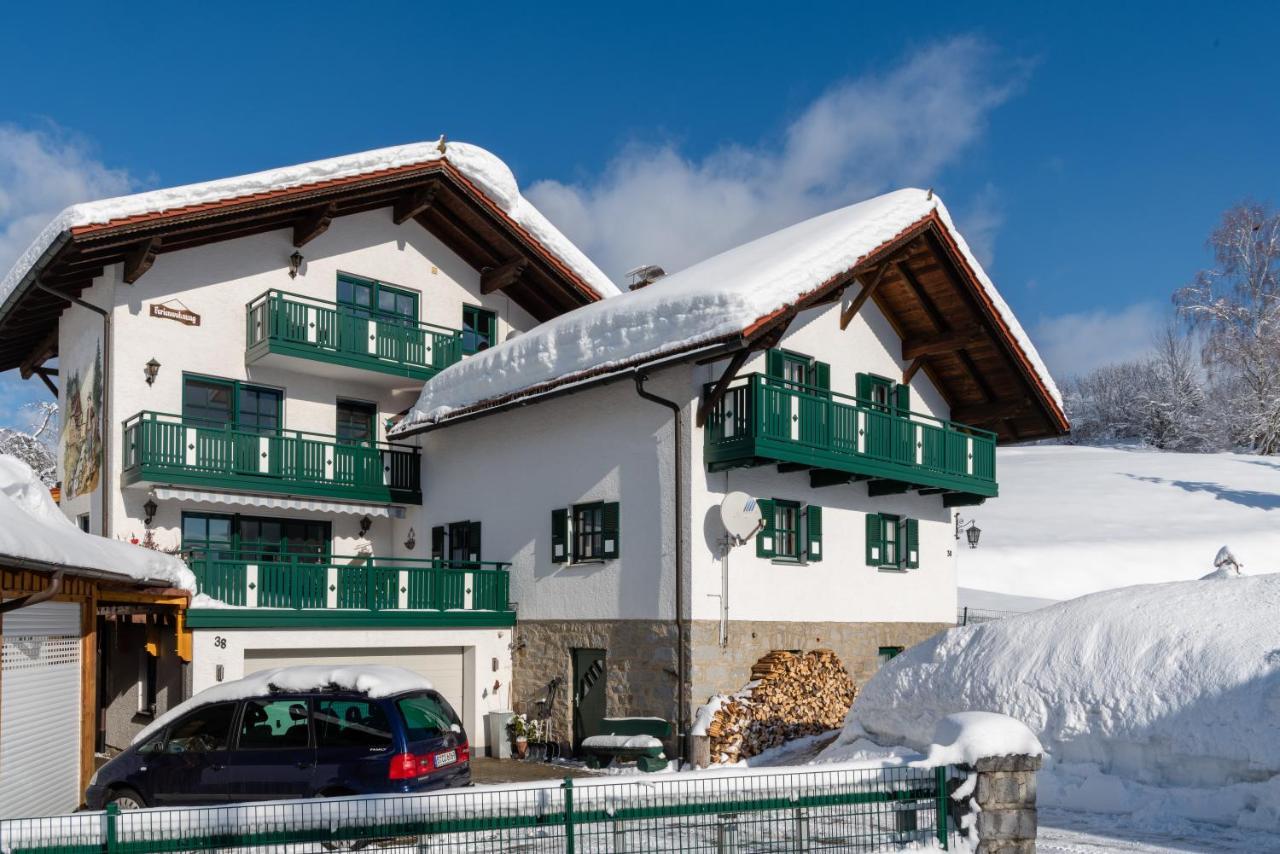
(711, 301)
(374, 680)
(621, 742)
(965, 737)
(1155, 700)
(1120, 516)
(33, 528)
(484, 170)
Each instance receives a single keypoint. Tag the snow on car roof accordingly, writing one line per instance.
(373, 680)
(708, 302)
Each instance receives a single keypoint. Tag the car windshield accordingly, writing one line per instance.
(426, 716)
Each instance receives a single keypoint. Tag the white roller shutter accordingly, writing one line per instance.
(441, 665)
(40, 711)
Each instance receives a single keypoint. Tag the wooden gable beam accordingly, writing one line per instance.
(847, 316)
(413, 203)
(911, 370)
(717, 393)
(926, 302)
(496, 278)
(312, 224)
(42, 352)
(947, 342)
(43, 374)
(139, 258)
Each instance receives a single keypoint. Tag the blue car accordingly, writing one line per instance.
(291, 745)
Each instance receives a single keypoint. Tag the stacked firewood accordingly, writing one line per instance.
(790, 695)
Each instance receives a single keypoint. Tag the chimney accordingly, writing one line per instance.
(644, 275)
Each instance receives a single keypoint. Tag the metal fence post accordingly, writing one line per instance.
(727, 834)
(802, 830)
(109, 818)
(568, 815)
(940, 781)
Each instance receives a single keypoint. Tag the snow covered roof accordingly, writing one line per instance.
(483, 170)
(373, 680)
(730, 295)
(34, 530)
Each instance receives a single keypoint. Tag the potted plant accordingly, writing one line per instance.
(519, 729)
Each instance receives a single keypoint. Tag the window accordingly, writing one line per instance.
(426, 716)
(479, 329)
(892, 542)
(458, 543)
(217, 533)
(215, 403)
(792, 531)
(351, 723)
(202, 731)
(207, 533)
(797, 371)
(585, 532)
(888, 653)
(83, 521)
(884, 394)
(356, 422)
(274, 724)
(370, 298)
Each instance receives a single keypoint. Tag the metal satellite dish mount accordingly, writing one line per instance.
(740, 515)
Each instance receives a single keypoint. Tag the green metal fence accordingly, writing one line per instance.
(850, 810)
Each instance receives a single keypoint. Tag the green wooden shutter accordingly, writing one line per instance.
(864, 388)
(765, 546)
(902, 398)
(473, 540)
(911, 550)
(821, 376)
(560, 535)
(437, 542)
(610, 530)
(875, 539)
(774, 363)
(813, 533)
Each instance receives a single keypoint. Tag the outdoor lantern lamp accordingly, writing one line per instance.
(411, 540)
(152, 368)
(150, 509)
(971, 531)
(295, 263)
(365, 524)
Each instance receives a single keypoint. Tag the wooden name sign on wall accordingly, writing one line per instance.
(182, 315)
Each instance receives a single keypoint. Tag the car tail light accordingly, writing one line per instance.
(405, 766)
(464, 752)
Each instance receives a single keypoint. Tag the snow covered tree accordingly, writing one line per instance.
(1236, 305)
(35, 446)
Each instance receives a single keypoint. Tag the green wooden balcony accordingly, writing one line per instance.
(279, 323)
(359, 590)
(761, 421)
(164, 448)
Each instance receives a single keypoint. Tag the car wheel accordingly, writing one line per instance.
(126, 799)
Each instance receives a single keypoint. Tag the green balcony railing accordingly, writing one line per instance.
(167, 448)
(297, 325)
(761, 420)
(357, 582)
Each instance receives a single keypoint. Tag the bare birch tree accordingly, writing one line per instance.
(35, 446)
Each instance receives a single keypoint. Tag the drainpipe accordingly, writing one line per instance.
(107, 425)
(55, 584)
(677, 452)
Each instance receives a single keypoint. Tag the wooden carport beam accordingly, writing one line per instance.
(411, 204)
(312, 224)
(986, 412)
(497, 278)
(947, 342)
(722, 385)
(139, 259)
(42, 352)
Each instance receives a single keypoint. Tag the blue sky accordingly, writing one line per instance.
(1086, 153)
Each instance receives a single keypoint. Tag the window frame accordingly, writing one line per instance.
(238, 544)
(350, 404)
(235, 386)
(576, 533)
(479, 312)
(376, 287)
(890, 522)
(885, 654)
(794, 508)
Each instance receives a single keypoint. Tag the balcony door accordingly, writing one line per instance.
(380, 320)
(232, 427)
(284, 559)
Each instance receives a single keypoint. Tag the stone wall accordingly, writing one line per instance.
(640, 661)
(1006, 793)
(718, 670)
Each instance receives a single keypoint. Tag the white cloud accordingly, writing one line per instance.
(864, 136)
(1074, 344)
(41, 172)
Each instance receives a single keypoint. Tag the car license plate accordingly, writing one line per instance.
(447, 758)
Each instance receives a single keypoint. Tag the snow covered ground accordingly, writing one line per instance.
(1072, 520)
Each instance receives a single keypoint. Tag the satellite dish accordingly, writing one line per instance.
(740, 515)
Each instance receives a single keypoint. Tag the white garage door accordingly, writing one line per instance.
(40, 710)
(441, 665)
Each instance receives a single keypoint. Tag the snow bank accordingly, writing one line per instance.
(373, 680)
(484, 170)
(965, 737)
(33, 528)
(1161, 694)
(711, 300)
(1120, 516)
(621, 742)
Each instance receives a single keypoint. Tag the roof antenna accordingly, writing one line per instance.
(928, 196)
(440, 146)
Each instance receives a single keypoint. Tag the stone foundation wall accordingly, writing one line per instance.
(1006, 792)
(718, 670)
(640, 663)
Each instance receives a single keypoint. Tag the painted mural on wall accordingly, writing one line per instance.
(82, 430)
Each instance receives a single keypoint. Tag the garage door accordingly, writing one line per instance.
(441, 665)
(40, 710)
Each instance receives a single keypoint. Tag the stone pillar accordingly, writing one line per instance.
(1006, 795)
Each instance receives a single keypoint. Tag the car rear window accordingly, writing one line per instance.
(426, 716)
(351, 723)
